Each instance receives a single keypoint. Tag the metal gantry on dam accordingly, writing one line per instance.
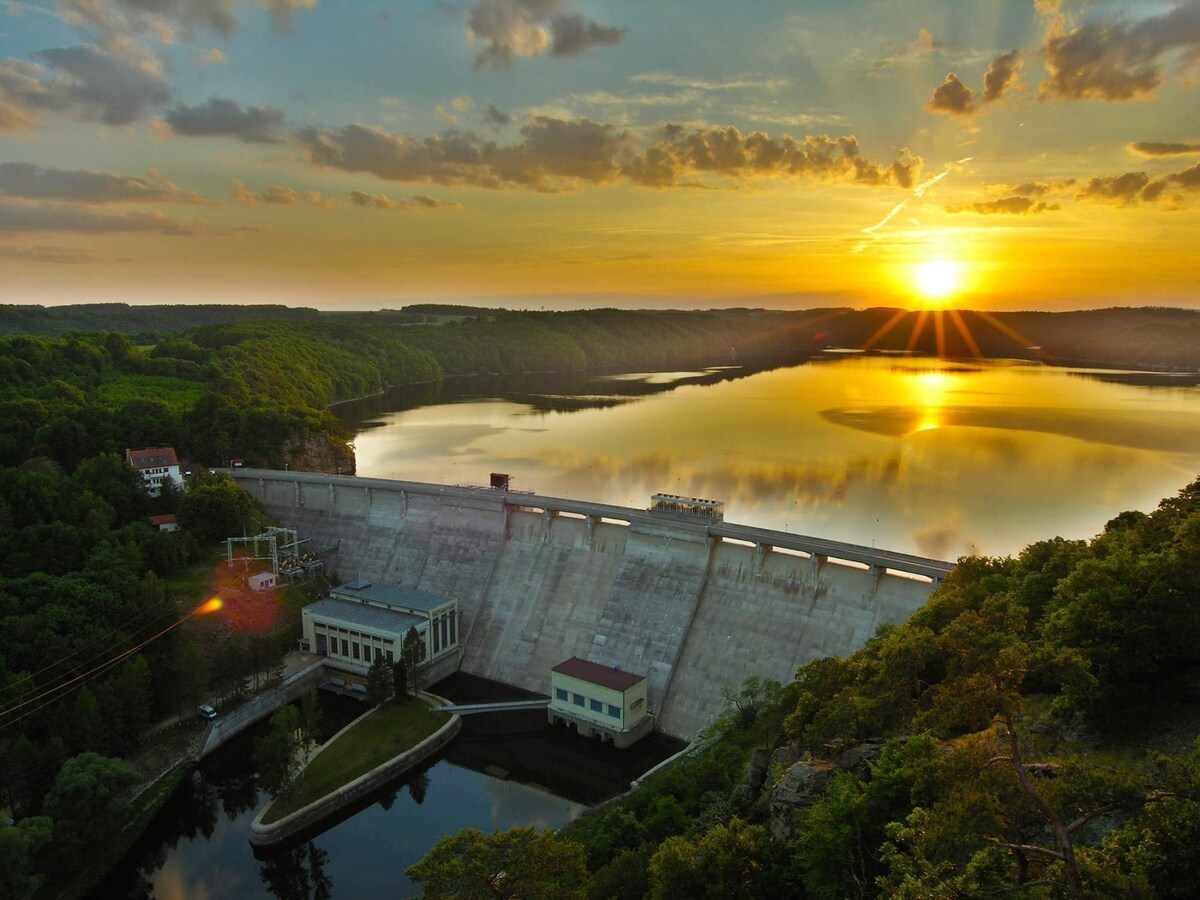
(697, 605)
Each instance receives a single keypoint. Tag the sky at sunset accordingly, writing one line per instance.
(350, 155)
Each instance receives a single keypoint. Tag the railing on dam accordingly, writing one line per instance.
(819, 549)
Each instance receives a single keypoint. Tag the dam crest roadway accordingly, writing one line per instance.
(697, 606)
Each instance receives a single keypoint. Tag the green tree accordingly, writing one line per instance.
(727, 861)
(88, 801)
(87, 724)
(310, 717)
(412, 657)
(214, 508)
(379, 681)
(230, 666)
(193, 673)
(521, 862)
(277, 753)
(125, 701)
(18, 844)
(399, 680)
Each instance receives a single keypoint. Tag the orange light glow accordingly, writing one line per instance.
(212, 605)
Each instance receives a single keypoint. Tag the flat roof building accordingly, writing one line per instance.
(599, 701)
(359, 621)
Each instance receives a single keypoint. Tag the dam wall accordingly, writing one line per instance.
(696, 607)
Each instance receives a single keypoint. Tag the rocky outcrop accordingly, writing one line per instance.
(801, 785)
(787, 784)
(317, 453)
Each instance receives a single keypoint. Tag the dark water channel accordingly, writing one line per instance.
(504, 770)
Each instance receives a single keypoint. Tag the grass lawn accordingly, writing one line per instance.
(372, 740)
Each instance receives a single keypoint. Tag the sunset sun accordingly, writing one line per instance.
(937, 279)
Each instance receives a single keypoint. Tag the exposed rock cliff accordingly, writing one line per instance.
(320, 454)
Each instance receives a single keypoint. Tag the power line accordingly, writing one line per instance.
(62, 689)
(113, 631)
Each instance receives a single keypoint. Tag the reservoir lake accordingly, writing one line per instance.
(930, 456)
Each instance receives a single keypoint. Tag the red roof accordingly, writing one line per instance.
(605, 676)
(167, 519)
(152, 457)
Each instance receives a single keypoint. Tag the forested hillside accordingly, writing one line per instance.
(1155, 337)
(1032, 731)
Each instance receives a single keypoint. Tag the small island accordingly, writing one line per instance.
(382, 744)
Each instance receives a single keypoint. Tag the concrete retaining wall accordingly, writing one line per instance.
(333, 803)
(293, 688)
(695, 608)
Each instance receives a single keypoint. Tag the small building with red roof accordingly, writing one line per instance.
(166, 522)
(599, 701)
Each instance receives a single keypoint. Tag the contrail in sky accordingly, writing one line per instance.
(918, 191)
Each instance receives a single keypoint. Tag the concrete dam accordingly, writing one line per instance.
(696, 606)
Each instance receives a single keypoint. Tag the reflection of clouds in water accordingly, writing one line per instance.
(397, 448)
(820, 483)
(520, 805)
(171, 882)
(942, 542)
(1136, 429)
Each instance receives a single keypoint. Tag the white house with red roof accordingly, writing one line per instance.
(155, 465)
(599, 701)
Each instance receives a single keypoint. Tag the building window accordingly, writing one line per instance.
(388, 654)
(345, 647)
(354, 649)
(453, 629)
(579, 699)
(614, 711)
(437, 637)
(597, 706)
(560, 694)
(366, 652)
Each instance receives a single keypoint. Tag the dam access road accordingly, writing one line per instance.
(696, 606)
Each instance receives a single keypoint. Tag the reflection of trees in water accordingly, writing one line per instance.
(418, 786)
(194, 812)
(387, 800)
(298, 874)
(238, 793)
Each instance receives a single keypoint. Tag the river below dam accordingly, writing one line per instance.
(502, 771)
(930, 456)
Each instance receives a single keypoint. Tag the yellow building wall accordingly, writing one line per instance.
(631, 713)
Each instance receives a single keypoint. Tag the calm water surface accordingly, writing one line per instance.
(922, 455)
(501, 772)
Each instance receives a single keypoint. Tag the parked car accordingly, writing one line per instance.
(206, 712)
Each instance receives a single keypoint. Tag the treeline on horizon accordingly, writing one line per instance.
(1154, 337)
